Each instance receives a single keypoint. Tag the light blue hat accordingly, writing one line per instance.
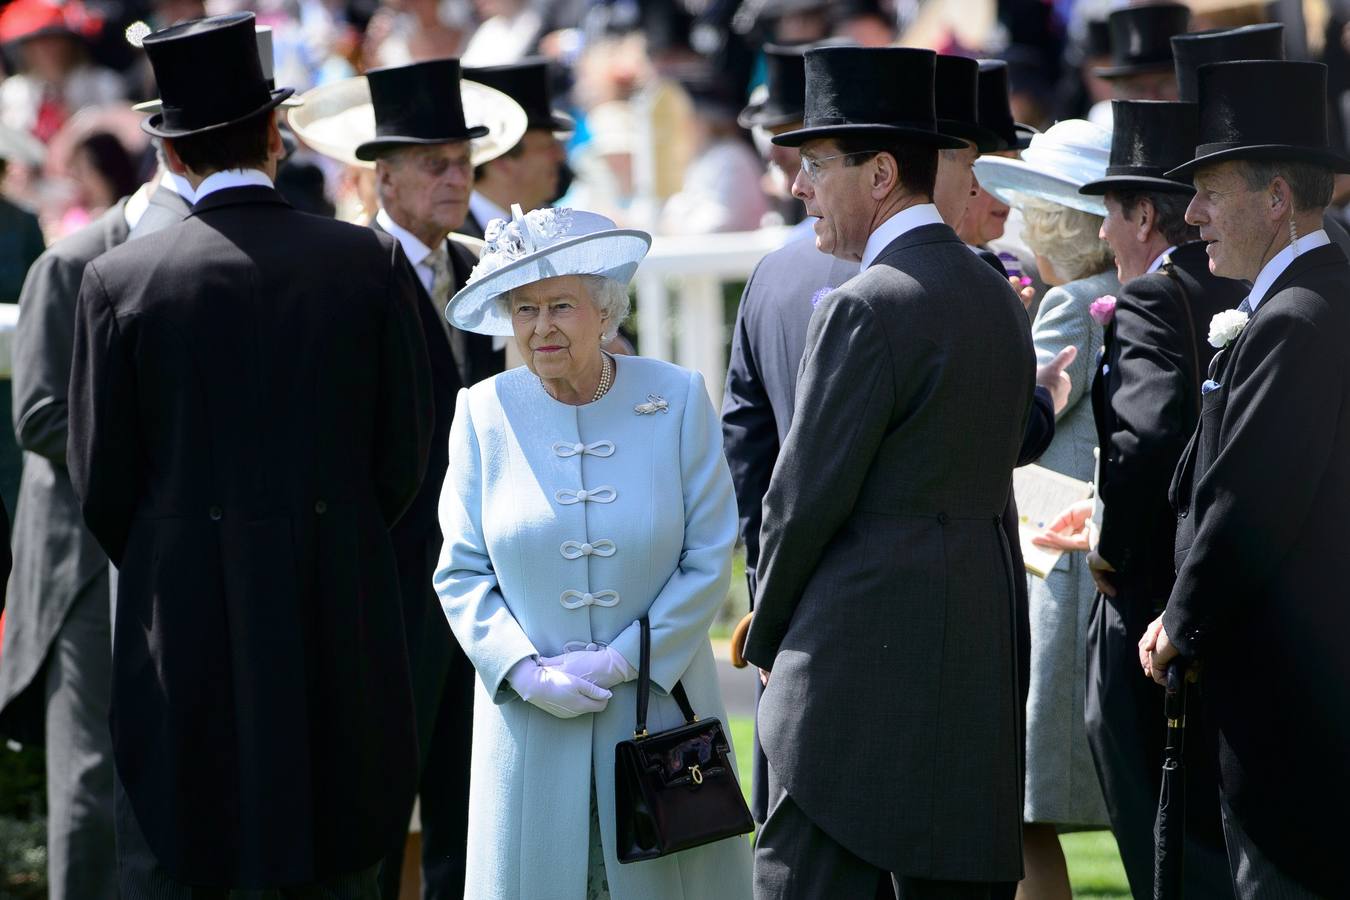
(543, 243)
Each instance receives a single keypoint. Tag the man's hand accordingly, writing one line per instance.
(1156, 651)
(1099, 568)
(1072, 531)
(764, 677)
(1054, 379)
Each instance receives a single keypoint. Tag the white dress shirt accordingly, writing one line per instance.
(139, 202)
(484, 210)
(896, 225)
(1275, 268)
(231, 178)
(1159, 260)
(418, 253)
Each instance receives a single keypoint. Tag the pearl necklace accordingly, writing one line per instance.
(606, 378)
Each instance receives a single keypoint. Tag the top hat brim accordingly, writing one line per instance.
(1146, 183)
(150, 107)
(1337, 162)
(1143, 68)
(615, 254)
(154, 125)
(368, 151)
(760, 115)
(985, 140)
(916, 133)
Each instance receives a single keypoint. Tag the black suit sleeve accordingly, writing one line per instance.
(1040, 429)
(1153, 408)
(1248, 504)
(43, 341)
(405, 406)
(749, 436)
(845, 398)
(104, 453)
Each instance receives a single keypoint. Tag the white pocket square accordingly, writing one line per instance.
(1209, 386)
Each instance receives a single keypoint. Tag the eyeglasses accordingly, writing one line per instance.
(813, 168)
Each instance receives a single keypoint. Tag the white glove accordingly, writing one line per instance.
(554, 691)
(601, 666)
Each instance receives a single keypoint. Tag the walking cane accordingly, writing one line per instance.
(1169, 828)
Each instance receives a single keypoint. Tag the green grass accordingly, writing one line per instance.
(1094, 863)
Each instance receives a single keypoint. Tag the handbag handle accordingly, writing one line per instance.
(644, 686)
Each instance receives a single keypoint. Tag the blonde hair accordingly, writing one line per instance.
(1065, 236)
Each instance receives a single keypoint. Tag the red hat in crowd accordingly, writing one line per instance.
(24, 19)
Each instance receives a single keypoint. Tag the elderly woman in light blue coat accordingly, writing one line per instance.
(584, 492)
(1061, 227)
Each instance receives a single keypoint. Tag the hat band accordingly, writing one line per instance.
(208, 112)
(1139, 171)
(845, 122)
(1264, 146)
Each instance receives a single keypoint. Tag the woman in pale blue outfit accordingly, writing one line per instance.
(584, 492)
(1061, 228)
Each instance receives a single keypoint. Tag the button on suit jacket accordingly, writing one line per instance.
(249, 412)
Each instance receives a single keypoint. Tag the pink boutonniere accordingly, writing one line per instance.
(1103, 308)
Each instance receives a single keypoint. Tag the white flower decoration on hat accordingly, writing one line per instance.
(541, 244)
(1226, 326)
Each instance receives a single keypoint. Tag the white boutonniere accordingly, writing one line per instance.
(1226, 326)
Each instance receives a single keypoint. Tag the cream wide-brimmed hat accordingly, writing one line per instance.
(339, 117)
(543, 243)
(1054, 166)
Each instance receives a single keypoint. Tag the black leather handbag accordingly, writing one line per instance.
(675, 789)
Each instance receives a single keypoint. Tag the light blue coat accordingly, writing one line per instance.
(659, 490)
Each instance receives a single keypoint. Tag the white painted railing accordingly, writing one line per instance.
(680, 314)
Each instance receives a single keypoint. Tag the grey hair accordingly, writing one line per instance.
(1310, 184)
(1065, 236)
(609, 295)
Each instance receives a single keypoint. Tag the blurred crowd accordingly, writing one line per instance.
(655, 87)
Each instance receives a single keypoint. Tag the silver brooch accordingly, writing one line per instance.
(654, 404)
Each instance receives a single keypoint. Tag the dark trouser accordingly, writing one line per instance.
(141, 878)
(796, 860)
(1127, 732)
(1255, 877)
(81, 845)
(443, 792)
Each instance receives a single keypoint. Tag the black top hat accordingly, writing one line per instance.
(527, 83)
(209, 76)
(956, 102)
(1141, 38)
(785, 79)
(881, 91)
(995, 112)
(1149, 137)
(418, 103)
(1263, 109)
(1097, 39)
(1222, 45)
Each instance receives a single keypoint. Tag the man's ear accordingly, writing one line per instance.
(276, 147)
(1148, 220)
(1281, 199)
(175, 162)
(885, 177)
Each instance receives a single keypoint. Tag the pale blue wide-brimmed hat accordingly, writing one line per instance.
(543, 243)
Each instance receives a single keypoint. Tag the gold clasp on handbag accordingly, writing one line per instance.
(696, 774)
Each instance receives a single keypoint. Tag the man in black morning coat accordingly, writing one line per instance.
(423, 174)
(250, 404)
(884, 610)
(1146, 401)
(1262, 490)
